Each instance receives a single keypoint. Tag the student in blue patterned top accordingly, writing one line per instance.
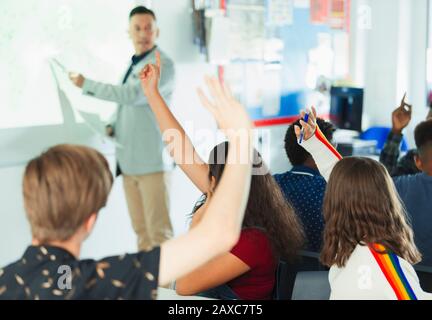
(303, 186)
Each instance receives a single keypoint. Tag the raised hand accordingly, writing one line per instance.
(401, 117)
(309, 127)
(150, 76)
(227, 111)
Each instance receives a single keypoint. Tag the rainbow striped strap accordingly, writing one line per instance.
(390, 267)
(321, 137)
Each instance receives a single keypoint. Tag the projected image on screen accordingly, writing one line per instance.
(84, 36)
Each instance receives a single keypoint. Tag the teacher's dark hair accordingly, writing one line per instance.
(141, 10)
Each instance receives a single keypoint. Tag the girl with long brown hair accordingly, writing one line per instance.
(270, 230)
(368, 241)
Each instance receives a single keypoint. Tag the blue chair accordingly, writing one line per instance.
(380, 134)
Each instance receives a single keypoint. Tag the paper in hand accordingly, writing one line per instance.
(93, 121)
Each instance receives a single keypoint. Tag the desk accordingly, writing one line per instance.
(356, 147)
(168, 294)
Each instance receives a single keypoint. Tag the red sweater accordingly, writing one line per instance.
(254, 249)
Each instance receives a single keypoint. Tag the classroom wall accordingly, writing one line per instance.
(388, 57)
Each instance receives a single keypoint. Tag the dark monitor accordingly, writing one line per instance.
(346, 108)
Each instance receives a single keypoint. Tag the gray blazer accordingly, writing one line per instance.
(135, 127)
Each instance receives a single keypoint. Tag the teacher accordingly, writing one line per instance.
(140, 147)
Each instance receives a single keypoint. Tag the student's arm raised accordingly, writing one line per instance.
(314, 142)
(401, 116)
(219, 229)
(214, 273)
(179, 144)
(390, 153)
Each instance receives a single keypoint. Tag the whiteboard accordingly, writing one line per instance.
(38, 104)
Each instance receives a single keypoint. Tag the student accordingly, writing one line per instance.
(66, 186)
(414, 186)
(368, 242)
(270, 229)
(303, 186)
(416, 191)
(389, 156)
